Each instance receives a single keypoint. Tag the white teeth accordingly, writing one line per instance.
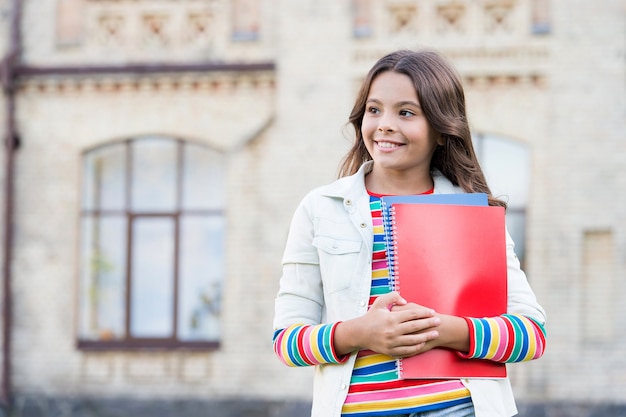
(387, 145)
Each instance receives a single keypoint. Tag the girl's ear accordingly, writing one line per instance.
(440, 140)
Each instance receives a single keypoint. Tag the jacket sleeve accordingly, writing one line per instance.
(300, 295)
(521, 298)
(299, 337)
(306, 345)
(509, 338)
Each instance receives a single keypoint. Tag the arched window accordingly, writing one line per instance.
(152, 245)
(506, 164)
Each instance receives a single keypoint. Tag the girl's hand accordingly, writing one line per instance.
(391, 326)
(453, 332)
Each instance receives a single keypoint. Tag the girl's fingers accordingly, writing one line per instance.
(388, 301)
(413, 344)
(414, 326)
(413, 312)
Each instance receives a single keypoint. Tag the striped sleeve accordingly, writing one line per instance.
(306, 345)
(507, 339)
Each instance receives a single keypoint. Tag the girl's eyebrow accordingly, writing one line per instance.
(409, 102)
(398, 104)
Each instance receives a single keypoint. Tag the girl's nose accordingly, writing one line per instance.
(386, 124)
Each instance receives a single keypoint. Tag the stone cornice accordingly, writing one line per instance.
(216, 77)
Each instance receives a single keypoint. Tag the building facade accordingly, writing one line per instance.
(155, 151)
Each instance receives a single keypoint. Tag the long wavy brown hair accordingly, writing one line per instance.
(441, 97)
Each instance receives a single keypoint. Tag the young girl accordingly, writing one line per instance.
(334, 309)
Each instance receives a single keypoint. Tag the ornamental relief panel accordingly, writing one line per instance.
(403, 18)
(110, 30)
(451, 18)
(143, 30)
(499, 16)
(478, 18)
(493, 42)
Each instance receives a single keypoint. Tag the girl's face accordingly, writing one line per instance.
(395, 131)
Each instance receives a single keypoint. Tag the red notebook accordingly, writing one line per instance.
(451, 258)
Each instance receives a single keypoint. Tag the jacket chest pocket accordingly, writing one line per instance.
(338, 256)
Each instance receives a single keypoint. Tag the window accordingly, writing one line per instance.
(362, 18)
(70, 26)
(506, 164)
(246, 20)
(540, 11)
(152, 252)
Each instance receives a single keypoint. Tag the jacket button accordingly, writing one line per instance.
(343, 386)
(348, 202)
(363, 225)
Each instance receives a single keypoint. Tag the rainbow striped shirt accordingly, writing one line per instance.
(376, 388)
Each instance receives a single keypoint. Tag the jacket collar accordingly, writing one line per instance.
(443, 185)
(354, 185)
(350, 186)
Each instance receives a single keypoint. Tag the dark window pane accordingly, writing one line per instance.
(154, 170)
(201, 276)
(104, 184)
(152, 277)
(103, 277)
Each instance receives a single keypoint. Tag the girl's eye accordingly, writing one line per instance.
(406, 113)
(372, 109)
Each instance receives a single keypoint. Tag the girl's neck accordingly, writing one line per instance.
(385, 185)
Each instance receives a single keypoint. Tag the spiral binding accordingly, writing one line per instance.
(399, 367)
(389, 227)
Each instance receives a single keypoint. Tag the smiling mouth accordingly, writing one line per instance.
(387, 145)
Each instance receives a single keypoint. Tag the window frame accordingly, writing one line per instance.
(128, 341)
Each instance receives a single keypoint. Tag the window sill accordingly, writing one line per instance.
(143, 344)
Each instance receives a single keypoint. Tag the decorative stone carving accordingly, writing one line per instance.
(109, 30)
(498, 16)
(161, 30)
(194, 82)
(154, 30)
(198, 28)
(403, 18)
(451, 17)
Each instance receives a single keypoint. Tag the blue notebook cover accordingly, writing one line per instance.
(469, 199)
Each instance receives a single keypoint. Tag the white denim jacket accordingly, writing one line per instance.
(318, 286)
